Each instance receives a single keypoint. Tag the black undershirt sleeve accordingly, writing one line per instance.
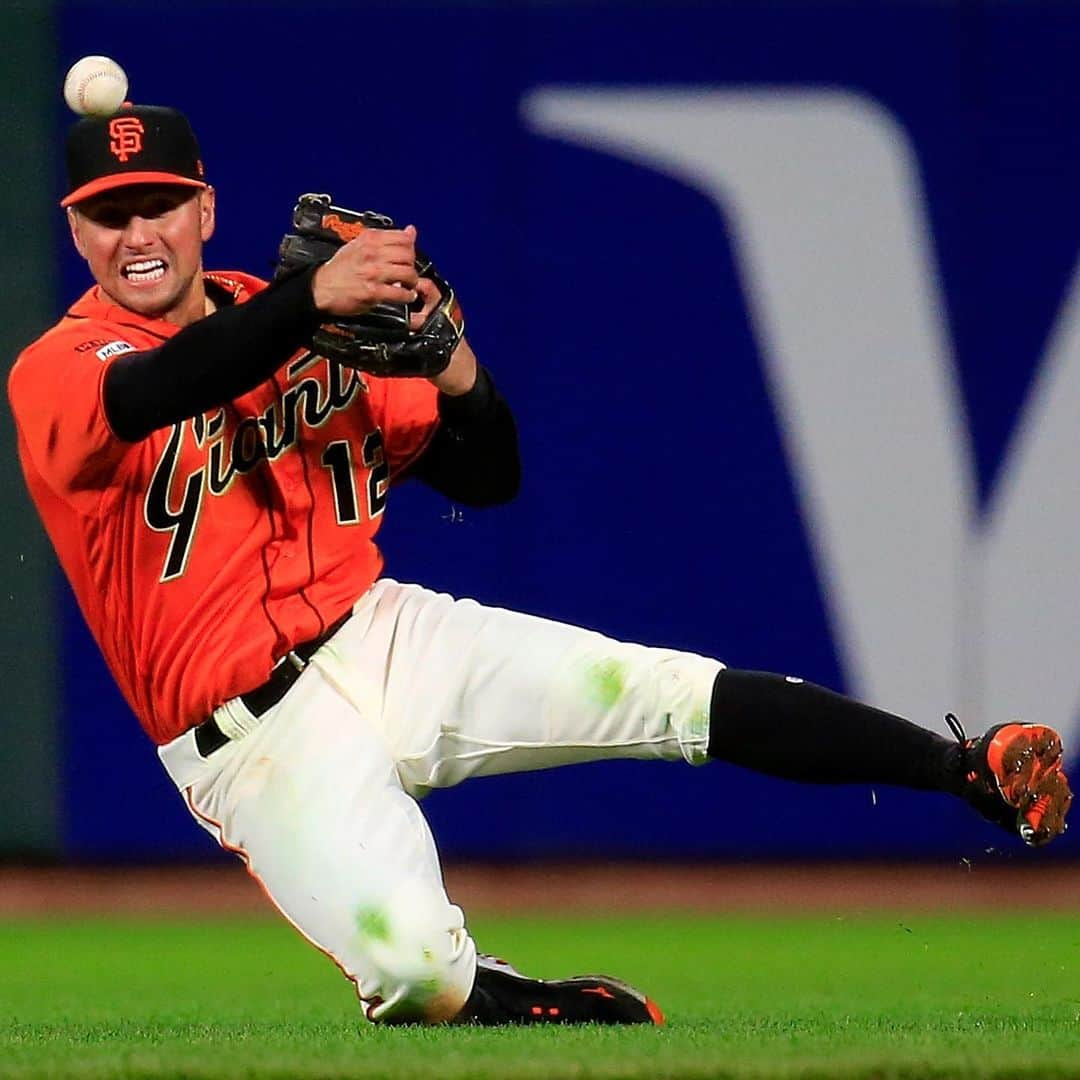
(473, 456)
(211, 361)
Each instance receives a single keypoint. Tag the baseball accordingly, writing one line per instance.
(95, 86)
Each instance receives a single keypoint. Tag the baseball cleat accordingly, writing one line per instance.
(502, 995)
(1013, 776)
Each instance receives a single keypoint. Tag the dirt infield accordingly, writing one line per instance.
(571, 888)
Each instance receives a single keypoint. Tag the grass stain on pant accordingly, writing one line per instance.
(606, 682)
(373, 924)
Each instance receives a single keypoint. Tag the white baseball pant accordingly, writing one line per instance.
(417, 691)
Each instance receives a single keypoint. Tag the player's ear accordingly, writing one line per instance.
(74, 221)
(207, 218)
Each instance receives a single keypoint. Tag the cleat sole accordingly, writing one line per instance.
(1025, 761)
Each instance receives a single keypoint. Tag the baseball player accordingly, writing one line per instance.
(213, 485)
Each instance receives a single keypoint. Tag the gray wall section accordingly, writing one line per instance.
(30, 823)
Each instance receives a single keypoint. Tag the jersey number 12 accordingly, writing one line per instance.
(337, 457)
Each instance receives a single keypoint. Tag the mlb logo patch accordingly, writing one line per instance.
(113, 349)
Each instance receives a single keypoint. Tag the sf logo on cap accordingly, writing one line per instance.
(125, 136)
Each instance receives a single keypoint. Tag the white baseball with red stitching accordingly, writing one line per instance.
(95, 86)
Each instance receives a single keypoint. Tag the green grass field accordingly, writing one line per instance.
(801, 997)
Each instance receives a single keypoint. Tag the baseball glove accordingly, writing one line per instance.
(380, 341)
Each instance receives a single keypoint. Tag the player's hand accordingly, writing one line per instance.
(376, 267)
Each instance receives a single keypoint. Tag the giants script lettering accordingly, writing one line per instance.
(228, 455)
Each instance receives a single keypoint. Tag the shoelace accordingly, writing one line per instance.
(956, 728)
(965, 743)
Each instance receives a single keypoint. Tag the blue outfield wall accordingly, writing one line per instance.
(782, 295)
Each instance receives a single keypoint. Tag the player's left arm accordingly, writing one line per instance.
(471, 453)
(473, 456)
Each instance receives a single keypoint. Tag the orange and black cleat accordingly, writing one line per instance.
(1014, 777)
(502, 995)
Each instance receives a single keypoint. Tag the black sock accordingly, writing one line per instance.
(799, 731)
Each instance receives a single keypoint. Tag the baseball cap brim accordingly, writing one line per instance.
(126, 179)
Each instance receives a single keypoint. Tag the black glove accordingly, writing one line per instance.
(379, 341)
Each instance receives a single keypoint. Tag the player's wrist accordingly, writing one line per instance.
(469, 407)
(322, 295)
(460, 375)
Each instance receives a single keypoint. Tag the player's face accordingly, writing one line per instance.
(143, 244)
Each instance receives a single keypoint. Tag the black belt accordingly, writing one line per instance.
(209, 737)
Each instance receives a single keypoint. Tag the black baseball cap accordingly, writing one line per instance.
(138, 144)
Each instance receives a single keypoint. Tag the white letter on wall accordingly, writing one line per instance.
(826, 217)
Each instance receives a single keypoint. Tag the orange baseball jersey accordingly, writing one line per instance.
(202, 554)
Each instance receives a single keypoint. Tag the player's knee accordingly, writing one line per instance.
(420, 959)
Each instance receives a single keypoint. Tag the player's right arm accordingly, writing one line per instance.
(209, 362)
(230, 352)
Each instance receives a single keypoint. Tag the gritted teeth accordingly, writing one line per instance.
(144, 267)
(144, 272)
